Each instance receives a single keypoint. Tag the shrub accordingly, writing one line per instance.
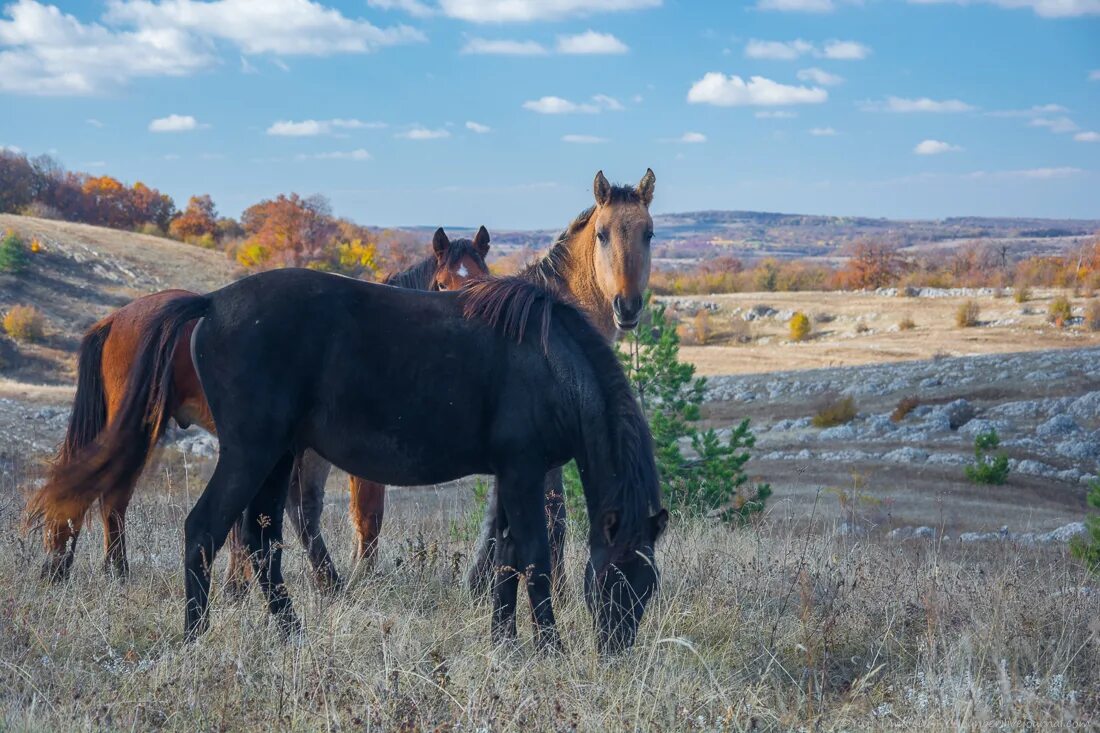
(702, 326)
(1022, 294)
(13, 254)
(1092, 315)
(987, 469)
(1060, 311)
(800, 327)
(835, 412)
(906, 324)
(25, 323)
(713, 481)
(862, 327)
(1087, 547)
(967, 314)
(904, 407)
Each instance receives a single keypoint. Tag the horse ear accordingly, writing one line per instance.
(645, 187)
(440, 243)
(660, 523)
(610, 526)
(602, 189)
(481, 241)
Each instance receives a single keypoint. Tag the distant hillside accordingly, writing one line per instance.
(82, 273)
(697, 235)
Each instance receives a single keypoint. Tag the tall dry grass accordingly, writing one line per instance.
(785, 625)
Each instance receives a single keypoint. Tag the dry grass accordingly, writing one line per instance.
(776, 627)
(904, 407)
(701, 324)
(836, 411)
(1092, 315)
(25, 323)
(1060, 311)
(906, 324)
(967, 314)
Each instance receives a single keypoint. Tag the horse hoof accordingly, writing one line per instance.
(55, 570)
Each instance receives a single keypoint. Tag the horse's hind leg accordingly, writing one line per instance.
(238, 571)
(60, 540)
(304, 505)
(368, 506)
(263, 532)
(480, 575)
(112, 509)
(237, 479)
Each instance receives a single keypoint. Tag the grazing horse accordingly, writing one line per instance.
(514, 383)
(600, 263)
(104, 370)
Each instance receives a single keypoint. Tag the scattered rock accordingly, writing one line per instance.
(757, 312)
(958, 413)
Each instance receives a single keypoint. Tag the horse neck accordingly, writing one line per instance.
(569, 269)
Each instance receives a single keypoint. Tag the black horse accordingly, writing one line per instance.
(414, 388)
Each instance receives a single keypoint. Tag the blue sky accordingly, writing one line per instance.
(500, 112)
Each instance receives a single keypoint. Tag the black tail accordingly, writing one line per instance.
(89, 415)
(117, 455)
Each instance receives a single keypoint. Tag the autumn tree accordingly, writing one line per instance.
(148, 205)
(286, 231)
(871, 265)
(198, 222)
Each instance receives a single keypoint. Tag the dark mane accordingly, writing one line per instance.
(508, 304)
(421, 276)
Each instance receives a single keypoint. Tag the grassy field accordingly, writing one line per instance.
(784, 625)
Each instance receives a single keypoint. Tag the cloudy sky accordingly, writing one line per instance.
(500, 112)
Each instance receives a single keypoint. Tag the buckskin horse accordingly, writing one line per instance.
(515, 383)
(104, 368)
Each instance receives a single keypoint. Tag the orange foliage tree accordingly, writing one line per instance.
(198, 221)
(287, 231)
(871, 265)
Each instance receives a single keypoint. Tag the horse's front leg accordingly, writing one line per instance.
(305, 501)
(523, 553)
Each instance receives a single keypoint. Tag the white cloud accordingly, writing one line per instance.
(777, 50)
(823, 132)
(901, 105)
(278, 27)
(312, 128)
(693, 138)
(483, 46)
(558, 106)
(797, 6)
(935, 147)
(479, 128)
(591, 42)
(845, 51)
(720, 90)
(1039, 109)
(358, 154)
(11, 149)
(414, 8)
(247, 67)
(175, 123)
(1043, 8)
(1042, 174)
(775, 114)
(819, 76)
(583, 139)
(1087, 137)
(1094, 75)
(519, 11)
(791, 50)
(94, 122)
(44, 51)
(1054, 124)
(423, 133)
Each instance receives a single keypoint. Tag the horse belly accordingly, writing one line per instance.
(388, 458)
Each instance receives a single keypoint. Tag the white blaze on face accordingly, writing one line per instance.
(462, 271)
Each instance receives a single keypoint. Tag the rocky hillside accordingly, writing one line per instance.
(79, 274)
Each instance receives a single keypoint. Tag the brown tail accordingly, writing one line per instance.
(118, 454)
(89, 415)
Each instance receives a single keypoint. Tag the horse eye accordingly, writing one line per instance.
(602, 237)
(648, 236)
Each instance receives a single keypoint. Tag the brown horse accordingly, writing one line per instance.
(106, 356)
(601, 264)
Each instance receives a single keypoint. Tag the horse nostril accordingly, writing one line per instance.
(635, 305)
(617, 305)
